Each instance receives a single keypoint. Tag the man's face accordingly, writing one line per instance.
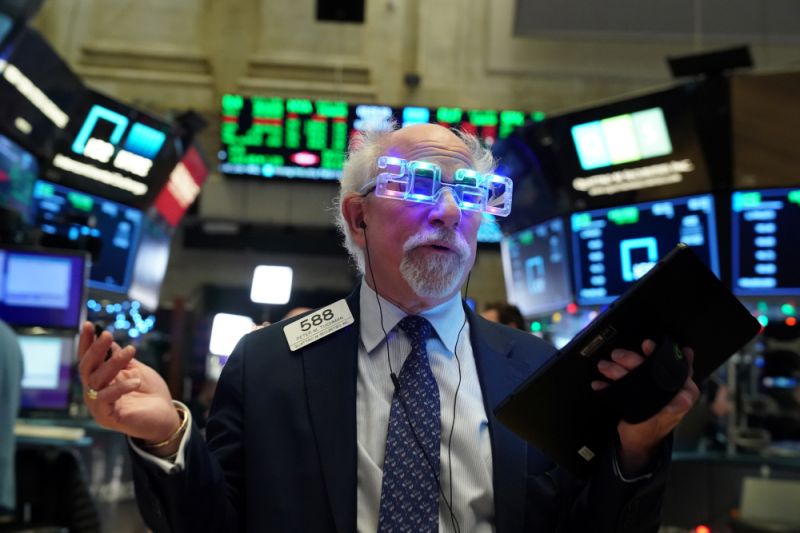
(420, 254)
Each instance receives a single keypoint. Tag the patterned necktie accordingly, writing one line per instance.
(410, 491)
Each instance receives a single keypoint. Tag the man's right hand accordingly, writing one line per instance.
(130, 396)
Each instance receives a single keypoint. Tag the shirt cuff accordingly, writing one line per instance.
(168, 465)
(618, 470)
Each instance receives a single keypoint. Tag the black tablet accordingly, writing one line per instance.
(678, 301)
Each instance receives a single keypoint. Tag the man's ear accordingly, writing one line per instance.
(353, 213)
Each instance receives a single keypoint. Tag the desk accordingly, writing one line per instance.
(704, 488)
(104, 460)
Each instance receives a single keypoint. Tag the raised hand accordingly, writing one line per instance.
(121, 393)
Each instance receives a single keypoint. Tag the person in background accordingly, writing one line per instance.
(504, 313)
(10, 390)
(375, 413)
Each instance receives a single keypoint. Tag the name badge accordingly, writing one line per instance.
(317, 325)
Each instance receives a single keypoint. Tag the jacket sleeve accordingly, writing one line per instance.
(207, 495)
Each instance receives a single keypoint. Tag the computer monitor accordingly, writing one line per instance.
(150, 265)
(18, 171)
(614, 247)
(47, 376)
(110, 230)
(766, 256)
(536, 268)
(42, 287)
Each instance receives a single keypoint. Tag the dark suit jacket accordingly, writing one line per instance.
(281, 452)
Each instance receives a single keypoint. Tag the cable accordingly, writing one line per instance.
(396, 383)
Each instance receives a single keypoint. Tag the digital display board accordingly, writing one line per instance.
(644, 148)
(42, 288)
(766, 254)
(114, 151)
(18, 171)
(273, 137)
(614, 247)
(536, 268)
(46, 380)
(38, 93)
(72, 217)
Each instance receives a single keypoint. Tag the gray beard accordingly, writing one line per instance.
(432, 276)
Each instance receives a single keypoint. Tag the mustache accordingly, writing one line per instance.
(439, 236)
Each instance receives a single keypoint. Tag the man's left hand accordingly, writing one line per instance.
(640, 442)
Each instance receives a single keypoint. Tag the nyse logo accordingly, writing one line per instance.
(141, 145)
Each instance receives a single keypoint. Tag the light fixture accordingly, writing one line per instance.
(271, 284)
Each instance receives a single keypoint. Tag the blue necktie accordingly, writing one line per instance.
(410, 491)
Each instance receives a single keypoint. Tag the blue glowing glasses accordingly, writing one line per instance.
(421, 182)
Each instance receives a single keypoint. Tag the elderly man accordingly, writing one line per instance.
(375, 413)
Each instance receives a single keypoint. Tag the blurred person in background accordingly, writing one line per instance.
(504, 313)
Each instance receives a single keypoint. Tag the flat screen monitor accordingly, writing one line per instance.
(614, 247)
(109, 229)
(150, 265)
(18, 171)
(766, 253)
(41, 287)
(47, 375)
(38, 92)
(115, 151)
(298, 138)
(536, 268)
(639, 149)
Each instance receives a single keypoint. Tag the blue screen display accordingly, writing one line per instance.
(535, 268)
(72, 216)
(766, 256)
(614, 247)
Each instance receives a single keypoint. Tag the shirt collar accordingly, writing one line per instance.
(446, 318)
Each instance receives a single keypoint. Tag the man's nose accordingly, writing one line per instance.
(445, 211)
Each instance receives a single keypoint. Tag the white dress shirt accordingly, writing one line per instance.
(471, 451)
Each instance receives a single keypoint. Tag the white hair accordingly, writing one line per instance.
(361, 167)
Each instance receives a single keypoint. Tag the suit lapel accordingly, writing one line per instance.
(331, 366)
(498, 373)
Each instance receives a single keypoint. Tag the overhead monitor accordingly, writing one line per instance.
(42, 288)
(150, 264)
(110, 230)
(38, 93)
(643, 148)
(114, 151)
(299, 138)
(614, 247)
(18, 171)
(766, 254)
(47, 375)
(536, 268)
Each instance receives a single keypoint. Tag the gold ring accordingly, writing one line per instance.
(91, 394)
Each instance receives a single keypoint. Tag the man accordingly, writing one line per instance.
(383, 423)
(10, 390)
(504, 314)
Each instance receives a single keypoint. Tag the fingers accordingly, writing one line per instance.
(86, 338)
(95, 354)
(116, 390)
(109, 370)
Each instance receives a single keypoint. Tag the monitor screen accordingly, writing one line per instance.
(536, 268)
(73, 219)
(150, 264)
(272, 137)
(47, 373)
(114, 151)
(766, 255)
(614, 247)
(40, 287)
(38, 92)
(18, 171)
(643, 148)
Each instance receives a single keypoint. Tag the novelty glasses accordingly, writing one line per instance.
(421, 182)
